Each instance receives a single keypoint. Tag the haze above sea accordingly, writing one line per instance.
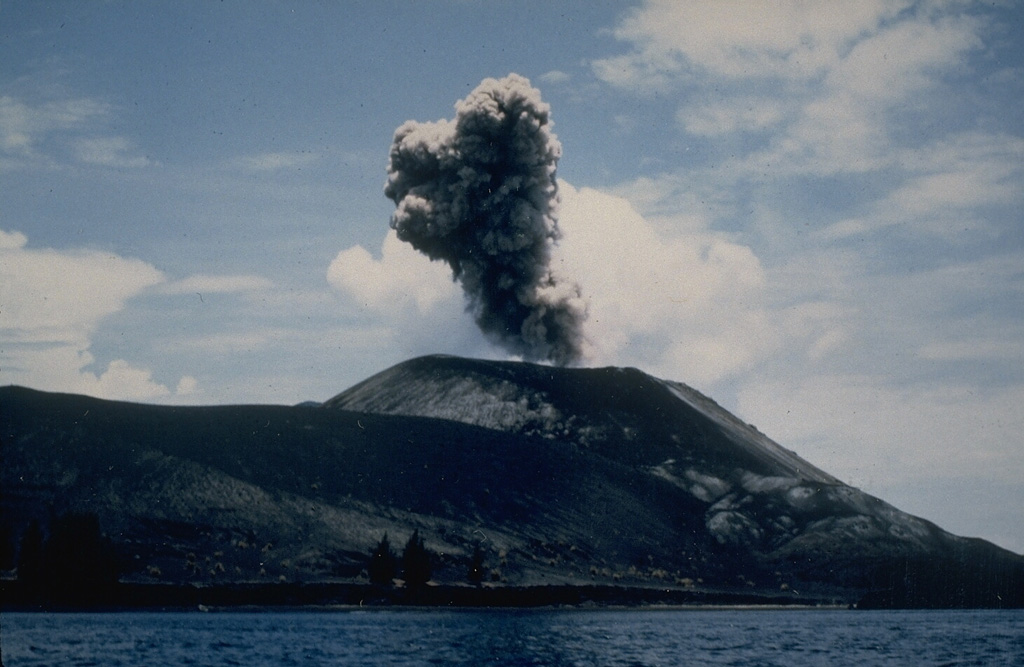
(516, 637)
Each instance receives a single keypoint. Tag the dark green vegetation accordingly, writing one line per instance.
(495, 476)
(74, 564)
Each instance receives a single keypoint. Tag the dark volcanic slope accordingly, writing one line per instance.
(599, 476)
(755, 497)
(321, 486)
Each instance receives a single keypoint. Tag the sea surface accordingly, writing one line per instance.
(516, 637)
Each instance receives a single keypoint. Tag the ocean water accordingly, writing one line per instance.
(516, 637)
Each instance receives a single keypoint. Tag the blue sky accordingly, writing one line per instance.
(809, 211)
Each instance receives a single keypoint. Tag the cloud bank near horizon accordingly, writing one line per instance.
(53, 301)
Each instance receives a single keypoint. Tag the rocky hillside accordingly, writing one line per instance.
(553, 476)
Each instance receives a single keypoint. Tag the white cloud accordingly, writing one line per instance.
(187, 386)
(948, 187)
(689, 305)
(739, 114)
(684, 306)
(413, 305)
(828, 342)
(676, 203)
(109, 152)
(833, 81)
(902, 58)
(47, 133)
(847, 125)
(972, 350)
(275, 160)
(953, 176)
(223, 284)
(46, 291)
(222, 343)
(870, 432)
(12, 240)
(401, 279)
(61, 366)
(738, 39)
(554, 77)
(23, 126)
(121, 380)
(51, 303)
(843, 313)
(264, 339)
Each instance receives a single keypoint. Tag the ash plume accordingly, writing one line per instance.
(479, 192)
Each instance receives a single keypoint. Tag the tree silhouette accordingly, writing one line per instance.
(416, 561)
(8, 548)
(383, 564)
(80, 560)
(30, 558)
(476, 566)
(77, 564)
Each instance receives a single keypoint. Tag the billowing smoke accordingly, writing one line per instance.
(479, 192)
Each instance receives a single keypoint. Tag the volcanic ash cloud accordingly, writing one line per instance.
(479, 192)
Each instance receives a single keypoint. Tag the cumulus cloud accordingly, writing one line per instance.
(684, 305)
(688, 306)
(413, 305)
(187, 386)
(45, 290)
(401, 279)
(12, 240)
(51, 302)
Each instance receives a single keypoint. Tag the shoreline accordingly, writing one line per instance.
(340, 596)
(356, 596)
